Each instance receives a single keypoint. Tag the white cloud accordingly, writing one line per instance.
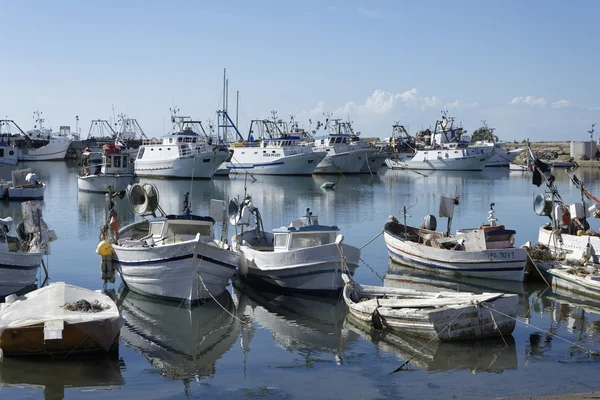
(459, 105)
(594, 109)
(563, 103)
(529, 100)
(320, 109)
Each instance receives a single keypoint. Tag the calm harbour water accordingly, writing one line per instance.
(272, 346)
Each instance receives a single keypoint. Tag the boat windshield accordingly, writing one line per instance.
(188, 229)
(311, 239)
(156, 228)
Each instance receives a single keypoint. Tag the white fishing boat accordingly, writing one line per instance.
(443, 316)
(171, 257)
(484, 252)
(344, 155)
(181, 342)
(568, 234)
(24, 185)
(303, 256)
(501, 157)
(518, 167)
(273, 151)
(21, 255)
(580, 279)
(59, 319)
(113, 172)
(38, 144)
(444, 151)
(184, 153)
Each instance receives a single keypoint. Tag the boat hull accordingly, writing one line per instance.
(507, 264)
(560, 277)
(55, 150)
(104, 183)
(295, 164)
(185, 272)
(459, 320)
(345, 163)
(313, 269)
(18, 271)
(468, 163)
(23, 193)
(572, 246)
(200, 166)
(373, 163)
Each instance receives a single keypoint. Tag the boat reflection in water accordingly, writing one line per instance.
(56, 375)
(182, 342)
(492, 355)
(93, 212)
(300, 323)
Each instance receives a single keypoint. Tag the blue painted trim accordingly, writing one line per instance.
(178, 258)
(19, 267)
(255, 165)
(425, 264)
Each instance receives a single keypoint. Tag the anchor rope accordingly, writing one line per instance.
(370, 241)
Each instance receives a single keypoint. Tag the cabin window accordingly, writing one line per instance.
(117, 161)
(1, 152)
(280, 240)
(309, 239)
(156, 228)
(194, 140)
(141, 152)
(170, 140)
(188, 229)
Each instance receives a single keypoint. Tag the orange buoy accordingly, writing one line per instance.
(566, 217)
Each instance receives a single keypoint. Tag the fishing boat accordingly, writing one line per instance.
(304, 256)
(443, 316)
(111, 173)
(271, 149)
(37, 144)
(24, 185)
(344, 154)
(181, 342)
(568, 234)
(483, 252)
(580, 279)
(443, 151)
(59, 319)
(21, 255)
(186, 152)
(170, 257)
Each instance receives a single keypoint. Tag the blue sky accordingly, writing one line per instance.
(530, 68)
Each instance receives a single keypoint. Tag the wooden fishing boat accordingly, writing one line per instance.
(484, 252)
(59, 319)
(584, 280)
(444, 316)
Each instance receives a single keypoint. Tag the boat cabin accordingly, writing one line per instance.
(299, 236)
(283, 141)
(114, 163)
(332, 140)
(170, 229)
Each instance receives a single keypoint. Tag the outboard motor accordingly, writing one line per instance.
(429, 223)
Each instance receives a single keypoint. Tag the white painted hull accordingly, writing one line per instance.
(507, 264)
(468, 163)
(310, 269)
(53, 151)
(518, 167)
(18, 271)
(102, 183)
(458, 316)
(200, 166)
(185, 271)
(373, 163)
(572, 246)
(295, 164)
(345, 163)
(502, 158)
(26, 193)
(560, 278)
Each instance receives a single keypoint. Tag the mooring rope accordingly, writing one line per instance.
(370, 241)
(588, 350)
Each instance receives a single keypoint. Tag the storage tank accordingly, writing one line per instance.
(583, 148)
